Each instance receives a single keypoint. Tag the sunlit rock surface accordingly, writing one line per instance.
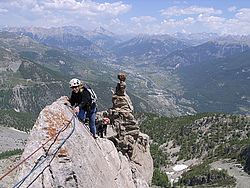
(74, 158)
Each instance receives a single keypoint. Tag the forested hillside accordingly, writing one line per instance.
(27, 87)
(221, 85)
(204, 137)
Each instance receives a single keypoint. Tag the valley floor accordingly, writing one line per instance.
(10, 139)
(234, 169)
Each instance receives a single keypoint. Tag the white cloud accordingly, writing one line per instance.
(243, 14)
(117, 26)
(178, 11)
(205, 21)
(239, 24)
(88, 8)
(189, 21)
(209, 19)
(232, 9)
(211, 22)
(89, 14)
(52, 8)
(183, 23)
(143, 19)
(61, 5)
(116, 22)
(3, 10)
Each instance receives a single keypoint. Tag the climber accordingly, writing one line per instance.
(102, 127)
(81, 101)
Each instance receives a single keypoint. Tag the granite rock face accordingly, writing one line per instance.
(73, 158)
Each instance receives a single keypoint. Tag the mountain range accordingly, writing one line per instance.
(221, 85)
(216, 79)
(155, 64)
(204, 52)
(27, 87)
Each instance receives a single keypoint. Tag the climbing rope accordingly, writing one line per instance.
(47, 156)
(37, 149)
(53, 154)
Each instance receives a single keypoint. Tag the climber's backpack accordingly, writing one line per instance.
(93, 96)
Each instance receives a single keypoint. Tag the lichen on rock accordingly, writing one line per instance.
(73, 158)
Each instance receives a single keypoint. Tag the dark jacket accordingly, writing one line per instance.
(81, 99)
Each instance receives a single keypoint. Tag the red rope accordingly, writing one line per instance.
(47, 142)
(36, 149)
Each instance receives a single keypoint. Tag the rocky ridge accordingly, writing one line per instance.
(73, 158)
(204, 52)
(60, 38)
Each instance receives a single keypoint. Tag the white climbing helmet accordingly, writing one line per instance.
(74, 82)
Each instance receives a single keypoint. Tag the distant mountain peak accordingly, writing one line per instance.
(72, 28)
(142, 36)
(101, 30)
(35, 30)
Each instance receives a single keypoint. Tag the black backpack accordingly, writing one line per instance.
(92, 93)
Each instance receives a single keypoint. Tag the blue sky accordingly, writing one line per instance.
(131, 16)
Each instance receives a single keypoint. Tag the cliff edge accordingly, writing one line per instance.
(61, 152)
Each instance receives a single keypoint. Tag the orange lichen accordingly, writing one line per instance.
(51, 131)
(63, 152)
